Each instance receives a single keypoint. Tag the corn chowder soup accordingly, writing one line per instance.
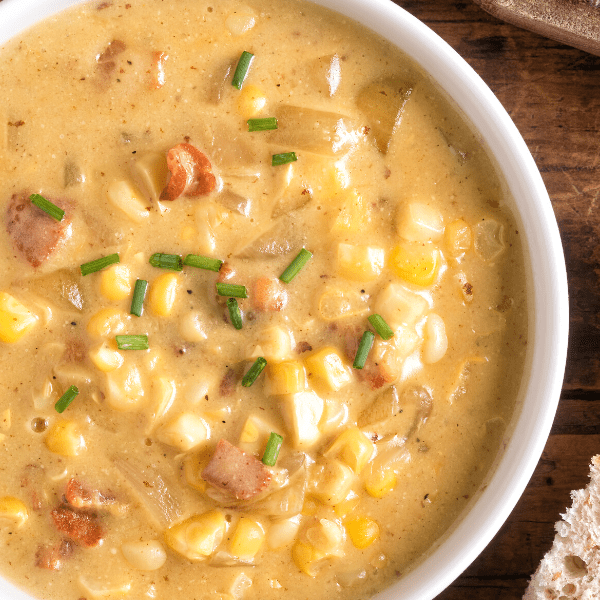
(262, 310)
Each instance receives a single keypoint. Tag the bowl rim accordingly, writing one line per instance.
(548, 294)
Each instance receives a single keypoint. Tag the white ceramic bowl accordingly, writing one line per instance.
(548, 299)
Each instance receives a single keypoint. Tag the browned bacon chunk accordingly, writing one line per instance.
(232, 470)
(269, 294)
(51, 557)
(34, 233)
(191, 173)
(80, 497)
(81, 527)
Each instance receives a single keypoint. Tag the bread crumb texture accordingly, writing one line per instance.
(567, 570)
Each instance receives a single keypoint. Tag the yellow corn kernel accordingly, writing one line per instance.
(326, 536)
(285, 378)
(197, 538)
(458, 237)
(347, 505)
(163, 293)
(64, 438)
(107, 322)
(193, 465)
(124, 389)
(13, 509)
(416, 264)
(360, 263)
(354, 448)
(353, 215)
(362, 531)
(274, 343)
(15, 319)
(306, 558)
(187, 234)
(115, 282)
(381, 482)
(106, 358)
(247, 539)
(250, 432)
(331, 481)
(254, 435)
(328, 368)
(186, 431)
(328, 180)
(251, 101)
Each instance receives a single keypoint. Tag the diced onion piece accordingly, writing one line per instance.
(335, 414)
(328, 368)
(151, 168)
(146, 555)
(354, 448)
(185, 432)
(64, 438)
(336, 303)
(125, 196)
(240, 21)
(302, 413)
(162, 395)
(239, 586)
(435, 341)
(13, 509)
(416, 263)
(488, 239)
(458, 237)
(331, 481)
(15, 319)
(286, 377)
(197, 538)
(419, 222)
(274, 343)
(282, 533)
(191, 327)
(400, 306)
(360, 263)
(101, 587)
(124, 388)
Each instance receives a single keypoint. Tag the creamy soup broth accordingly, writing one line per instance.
(125, 493)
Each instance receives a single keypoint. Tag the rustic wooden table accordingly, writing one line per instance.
(552, 93)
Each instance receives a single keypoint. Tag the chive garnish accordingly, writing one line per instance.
(380, 326)
(132, 342)
(234, 313)
(283, 158)
(364, 347)
(232, 290)
(202, 262)
(272, 450)
(167, 261)
(242, 69)
(265, 124)
(66, 399)
(139, 293)
(48, 207)
(294, 268)
(254, 371)
(99, 264)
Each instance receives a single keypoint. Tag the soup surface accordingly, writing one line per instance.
(198, 149)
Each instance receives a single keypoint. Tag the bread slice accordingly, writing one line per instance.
(569, 569)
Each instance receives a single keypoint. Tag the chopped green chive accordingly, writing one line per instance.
(364, 347)
(234, 313)
(283, 158)
(132, 342)
(66, 399)
(380, 326)
(296, 265)
(232, 290)
(139, 293)
(99, 264)
(202, 262)
(242, 70)
(265, 124)
(272, 450)
(48, 207)
(254, 371)
(167, 261)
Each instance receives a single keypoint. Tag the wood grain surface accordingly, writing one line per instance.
(552, 93)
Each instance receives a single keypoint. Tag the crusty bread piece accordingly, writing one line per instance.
(569, 571)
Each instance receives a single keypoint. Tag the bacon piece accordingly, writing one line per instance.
(35, 234)
(232, 470)
(191, 173)
(80, 497)
(226, 272)
(158, 61)
(106, 61)
(81, 527)
(51, 557)
(269, 294)
(228, 382)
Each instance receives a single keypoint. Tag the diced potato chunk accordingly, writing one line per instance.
(124, 388)
(15, 319)
(125, 196)
(284, 378)
(152, 170)
(354, 448)
(106, 358)
(64, 438)
(302, 413)
(328, 368)
(458, 237)
(331, 481)
(251, 100)
(107, 322)
(353, 215)
(416, 264)
(362, 531)
(390, 354)
(241, 20)
(115, 282)
(274, 343)
(400, 306)
(247, 539)
(145, 555)
(197, 538)
(13, 509)
(360, 263)
(419, 222)
(163, 294)
(185, 432)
